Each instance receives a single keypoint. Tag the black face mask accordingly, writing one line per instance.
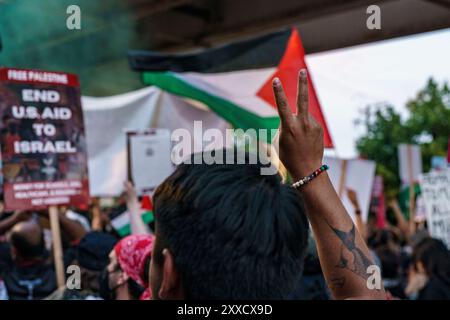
(105, 291)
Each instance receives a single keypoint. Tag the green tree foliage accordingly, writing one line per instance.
(427, 124)
(34, 35)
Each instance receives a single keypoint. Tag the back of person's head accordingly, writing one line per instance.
(27, 240)
(434, 256)
(234, 233)
(91, 254)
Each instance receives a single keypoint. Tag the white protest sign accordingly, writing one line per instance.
(435, 188)
(410, 163)
(421, 210)
(149, 154)
(355, 174)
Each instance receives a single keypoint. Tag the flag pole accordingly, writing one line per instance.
(342, 178)
(57, 246)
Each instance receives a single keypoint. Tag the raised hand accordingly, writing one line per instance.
(130, 192)
(20, 215)
(352, 196)
(343, 254)
(301, 137)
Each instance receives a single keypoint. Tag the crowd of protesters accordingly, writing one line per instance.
(224, 231)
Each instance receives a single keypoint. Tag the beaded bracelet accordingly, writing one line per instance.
(307, 179)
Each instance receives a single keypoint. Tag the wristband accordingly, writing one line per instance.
(308, 179)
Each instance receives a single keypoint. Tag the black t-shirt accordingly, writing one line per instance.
(435, 289)
(32, 282)
(5, 256)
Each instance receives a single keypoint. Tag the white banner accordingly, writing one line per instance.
(435, 187)
(107, 120)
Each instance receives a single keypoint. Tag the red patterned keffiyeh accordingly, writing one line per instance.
(131, 252)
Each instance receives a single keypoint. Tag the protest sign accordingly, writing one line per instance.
(410, 163)
(421, 211)
(42, 140)
(436, 196)
(149, 158)
(355, 174)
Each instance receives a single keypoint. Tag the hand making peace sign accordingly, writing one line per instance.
(301, 137)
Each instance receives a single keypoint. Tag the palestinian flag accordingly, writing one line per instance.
(403, 198)
(235, 81)
(122, 222)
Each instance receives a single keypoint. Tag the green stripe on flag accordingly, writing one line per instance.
(403, 198)
(231, 112)
(124, 229)
(148, 217)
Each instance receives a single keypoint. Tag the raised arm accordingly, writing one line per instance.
(8, 223)
(137, 224)
(401, 222)
(97, 221)
(73, 229)
(343, 254)
(360, 225)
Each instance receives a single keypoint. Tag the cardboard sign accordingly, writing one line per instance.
(149, 158)
(355, 174)
(410, 163)
(436, 196)
(43, 144)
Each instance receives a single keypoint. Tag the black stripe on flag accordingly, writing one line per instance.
(261, 52)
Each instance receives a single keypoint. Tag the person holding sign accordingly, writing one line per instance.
(44, 158)
(30, 276)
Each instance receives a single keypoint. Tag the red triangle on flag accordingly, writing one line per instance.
(448, 151)
(293, 60)
(146, 203)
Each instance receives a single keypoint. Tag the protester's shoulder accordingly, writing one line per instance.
(436, 289)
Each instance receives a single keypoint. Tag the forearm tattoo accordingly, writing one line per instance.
(351, 257)
(337, 283)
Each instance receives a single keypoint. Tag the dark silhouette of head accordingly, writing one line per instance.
(434, 256)
(224, 231)
(27, 241)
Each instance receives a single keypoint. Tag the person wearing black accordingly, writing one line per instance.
(432, 260)
(30, 276)
(225, 231)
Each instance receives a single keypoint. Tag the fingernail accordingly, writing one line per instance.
(302, 74)
(276, 82)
